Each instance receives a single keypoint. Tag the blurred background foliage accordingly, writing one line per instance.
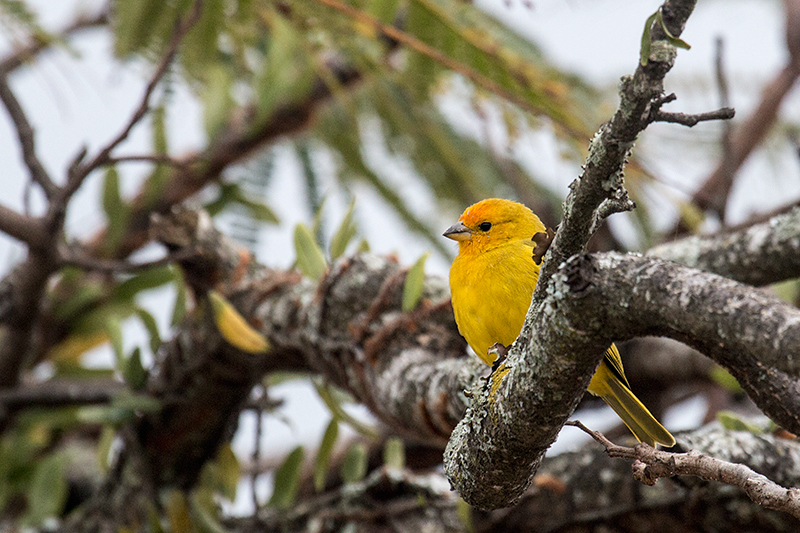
(374, 75)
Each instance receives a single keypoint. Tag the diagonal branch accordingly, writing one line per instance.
(182, 27)
(504, 436)
(27, 142)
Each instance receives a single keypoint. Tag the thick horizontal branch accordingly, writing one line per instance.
(761, 254)
(597, 299)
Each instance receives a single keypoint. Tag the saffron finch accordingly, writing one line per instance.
(491, 283)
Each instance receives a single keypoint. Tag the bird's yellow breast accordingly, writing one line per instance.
(491, 292)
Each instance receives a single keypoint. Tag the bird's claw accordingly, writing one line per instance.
(542, 241)
(500, 351)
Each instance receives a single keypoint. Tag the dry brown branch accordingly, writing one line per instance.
(650, 464)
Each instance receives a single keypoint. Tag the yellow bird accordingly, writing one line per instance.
(491, 283)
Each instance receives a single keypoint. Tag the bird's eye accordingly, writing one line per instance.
(485, 226)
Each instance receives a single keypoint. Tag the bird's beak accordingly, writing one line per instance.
(458, 232)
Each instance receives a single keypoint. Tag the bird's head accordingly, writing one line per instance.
(493, 222)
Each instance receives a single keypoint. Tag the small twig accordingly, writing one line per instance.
(26, 53)
(651, 464)
(690, 120)
(56, 393)
(26, 139)
(619, 204)
(146, 158)
(256, 457)
(724, 98)
(70, 258)
(181, 29)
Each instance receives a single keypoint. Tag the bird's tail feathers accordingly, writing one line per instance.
(642, 424)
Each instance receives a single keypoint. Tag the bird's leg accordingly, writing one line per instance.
(542, 242)
(500, 351)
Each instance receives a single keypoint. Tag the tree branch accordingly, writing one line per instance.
(504, 436)
(182, 27)
(758, 255)
(650, 464)
(26, 139)
(37, 45)
(24, 228)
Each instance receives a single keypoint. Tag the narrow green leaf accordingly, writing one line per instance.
(133, 372)
(464, 514)
(152, 328)
(47, 492)
(205, 513)
(179, 310)
(734, 422)
(415, 279)
(310, 259)
(723, 378)
(146, 280)
(258, 210)
(217, 99)
(104, 447)
(354, 467)
(229, 471)
(644, 54)
(329, 398)
(324, 453)
(394, 453)
(112, 327)
(287, 480)
(115, 209)
(674, 41)
(344, 234)
(136, 402)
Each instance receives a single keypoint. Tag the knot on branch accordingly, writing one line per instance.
(578, 273)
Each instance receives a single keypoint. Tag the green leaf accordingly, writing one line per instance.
(115, 209)
(310, 259)
(287, 73)
(133, 372)
(415, 280)
(217, 99)
(344, 234)
(104, 448)
(733, 422)
(142, 403)
(464, 514)
(152, 328)
(146, 280)
(394, 453)
(287, 480)
(354, 467)
(644, 53)
(324, 454)
(724, 379)
(330, 399)
(47, 492)
(258, 210)
(674, 41)
(229, 471)
(113, 328)
(205, 512)
(179, 310)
